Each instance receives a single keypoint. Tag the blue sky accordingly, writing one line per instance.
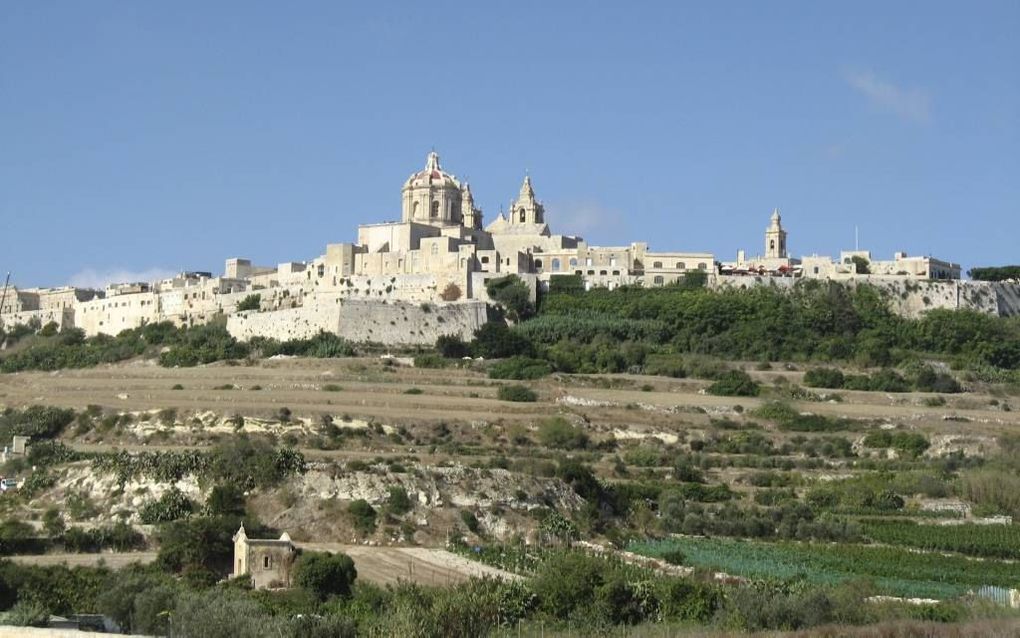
(141, 137)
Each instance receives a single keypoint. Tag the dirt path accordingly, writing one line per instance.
(387, 565)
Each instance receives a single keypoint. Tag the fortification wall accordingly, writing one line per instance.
(60, 316)
(386, 322)
(302, 322)
(909, 297)
(403, 323)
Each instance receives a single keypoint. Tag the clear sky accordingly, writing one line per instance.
(142, 137)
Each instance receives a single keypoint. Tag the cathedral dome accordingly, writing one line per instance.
(432, 175)
(432, 196)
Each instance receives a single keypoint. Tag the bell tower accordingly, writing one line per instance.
(775, 238)
(471, 217)
(526, 209)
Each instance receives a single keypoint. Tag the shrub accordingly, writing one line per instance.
(325, 575)
(520, 368)
(251, 302)
(398, 501)
(451, 292)
(173, 505)
(414, 391)
(362, 516)
(735, 383)
(517, 393)
(452, 347)
(823, 378)
(909, 443)
(557, 432)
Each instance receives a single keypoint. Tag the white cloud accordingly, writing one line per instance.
(93, 278)
(909, 103)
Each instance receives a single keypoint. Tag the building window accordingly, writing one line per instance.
(602, 272)
(658, 280)
(612, 262)
(591, 272)
(616, 272)
(816, 270)
(435, 249)
(578, 272)
(485, 260)
(266, 562)
(702, 266)
(538, 264)
(573, 262)
(588, 262)
(656, 264)
(435, 210)
(555, 264)
(521, 215)
(681, 265)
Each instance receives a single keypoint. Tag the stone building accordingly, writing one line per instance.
(269, 562)
(777, 261)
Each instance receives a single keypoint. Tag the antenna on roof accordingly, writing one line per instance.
(3, 298)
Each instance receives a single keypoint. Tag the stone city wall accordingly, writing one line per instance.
(60, 316)
(391, 323)
(911, 298)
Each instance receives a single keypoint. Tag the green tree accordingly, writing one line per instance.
(513, 295)
(325, 575)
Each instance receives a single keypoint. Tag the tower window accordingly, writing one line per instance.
(772, 245)
(521, 215)
(435, 209)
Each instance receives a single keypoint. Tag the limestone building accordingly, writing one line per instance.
(776, 261)
(269, 562)
(407, 281)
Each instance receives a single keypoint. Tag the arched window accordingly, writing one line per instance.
(414, 209)
(538, 264)
(521, 215)
(702, 266)
(658, 280)
(772, 244)
(681, 265)
(573, 262)
(435, 210)
(656, 264)
(555, 264)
